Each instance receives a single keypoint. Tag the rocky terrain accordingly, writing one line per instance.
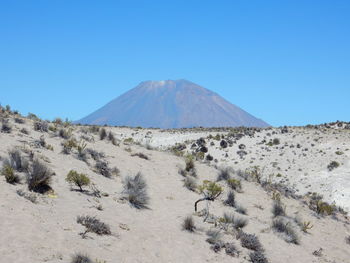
(74, 193)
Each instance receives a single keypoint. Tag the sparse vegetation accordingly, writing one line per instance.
(258, 257)
(240, 209)
(64, 133)
(230, 199)
(189, 163)
(79, 179)
(141, 155)
(214, 236)
(234, 184)
(94, 225)
(188, 224)
(224, 174)
(10, 175)
(278, 209)
(135, 191)
(103, 134)
(41, 126)
(39, 177)
(284, 226)
(24, 131)
(103, 168)
(306, 226)
(81, 258)
(333, 165)
(190, 183)
(210, 190)
(250, 241)
(6, 127)
(17, 161)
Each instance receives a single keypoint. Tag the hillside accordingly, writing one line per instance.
(41, 225)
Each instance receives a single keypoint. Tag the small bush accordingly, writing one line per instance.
(17, 161)
(6, 127)
(258, 257)
(230, 249)
(333, 165)
(230, 199)
(81, 258)
(214, 236)
(63, 133)
(278, 209)
(283, 226)
(78, 179)
(190, 183)
(39, 177)
(95, 154)
(103, 168)
(19, 120)
(92, 224)
(234, 184)
(10, 175)
(188, 224)
(141, 155)
(111, 138)
(82, 153)
(240, 222)
(224, 174)
(305, 226)
(240, 209)
(24, 131)
(189, 163)
(228, 218)
(135, 191)
(210, 189)
(323, 208)
(68, 145)
(103, 134)
(250, 241)
(41, 126)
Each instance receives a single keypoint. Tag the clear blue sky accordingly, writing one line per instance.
(287, 62)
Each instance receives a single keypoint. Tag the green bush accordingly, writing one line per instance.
(78, 179)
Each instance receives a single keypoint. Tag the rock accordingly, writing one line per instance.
(209, 157)
(203, 149)
(223, 144)
(241, 153)
(241, 146)
(201, 142)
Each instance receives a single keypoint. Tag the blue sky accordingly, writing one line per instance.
(287, 62)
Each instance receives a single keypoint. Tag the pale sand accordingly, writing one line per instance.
(48, 232)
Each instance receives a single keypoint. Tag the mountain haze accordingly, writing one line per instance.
(171, 104)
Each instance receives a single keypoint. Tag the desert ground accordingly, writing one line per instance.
(272, 195)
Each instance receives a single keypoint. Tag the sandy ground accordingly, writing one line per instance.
(47, 231)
